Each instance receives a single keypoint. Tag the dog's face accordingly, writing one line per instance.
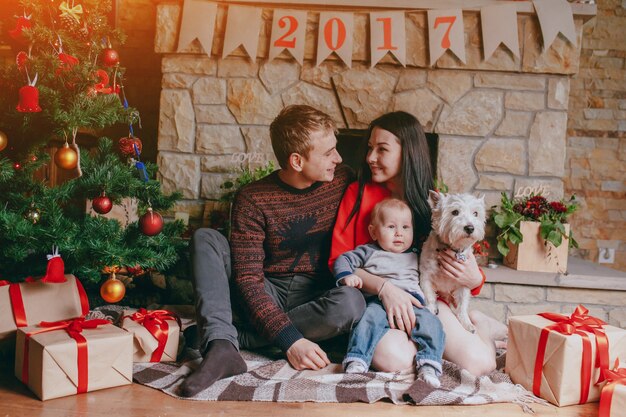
(458, 219)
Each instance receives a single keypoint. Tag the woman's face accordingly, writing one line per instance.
(384, 156)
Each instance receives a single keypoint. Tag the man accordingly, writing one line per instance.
(280, 239)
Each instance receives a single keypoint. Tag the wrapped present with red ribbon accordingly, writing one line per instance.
(560, 358)
(49, 299)
(156, 334)
(57, 359)
(613, 397)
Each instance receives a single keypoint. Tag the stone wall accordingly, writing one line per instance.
(503, 301)
(596, 143)
(501, 123)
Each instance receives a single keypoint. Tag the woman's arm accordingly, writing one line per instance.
(397, 303)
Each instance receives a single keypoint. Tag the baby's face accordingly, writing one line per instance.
(394, 230)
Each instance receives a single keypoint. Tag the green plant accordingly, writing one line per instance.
(246, 177)
(551, 215)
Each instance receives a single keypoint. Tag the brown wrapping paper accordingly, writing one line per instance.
(144, 344)
(53, 369)
(561, 383)
(42, 302)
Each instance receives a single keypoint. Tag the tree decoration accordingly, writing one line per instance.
(4, 140)
(128, 143)
(151, 223)
(102, 204)
(21, 59)
(23, 22)
(33, 214)
(66, 157)
(110, 57)
(70, 15)
(29, 100)
(112, 290)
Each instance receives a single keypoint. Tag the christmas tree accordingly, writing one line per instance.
(66, 80)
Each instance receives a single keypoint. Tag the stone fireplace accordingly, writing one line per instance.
(501, 123)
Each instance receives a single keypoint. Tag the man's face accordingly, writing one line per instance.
(322, 159)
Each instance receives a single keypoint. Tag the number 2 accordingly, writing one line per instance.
(293, 26)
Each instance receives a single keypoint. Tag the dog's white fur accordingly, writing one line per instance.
(458, 221)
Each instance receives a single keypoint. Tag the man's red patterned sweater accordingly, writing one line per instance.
(281, 231)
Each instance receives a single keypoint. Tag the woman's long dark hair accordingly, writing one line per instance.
(416, 170)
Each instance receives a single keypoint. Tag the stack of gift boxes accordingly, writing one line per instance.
(569, 359)
(60, 353)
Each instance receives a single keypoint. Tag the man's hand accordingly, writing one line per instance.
(352, 281)
(305, 354)
(466, 273)
(399, 307)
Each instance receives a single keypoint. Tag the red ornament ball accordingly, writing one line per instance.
(102, 204)
(126, 145)
(110, 57)
(151, 223)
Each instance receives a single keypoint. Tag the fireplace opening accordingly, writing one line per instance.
(352, 146)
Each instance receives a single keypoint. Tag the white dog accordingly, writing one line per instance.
(458, 221)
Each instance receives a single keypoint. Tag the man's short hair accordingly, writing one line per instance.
(386, 204)
(291, 130)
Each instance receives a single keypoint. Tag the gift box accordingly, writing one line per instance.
(156, 334)
(613, 397)
(559, 358)
(29, 303)
(71, 357)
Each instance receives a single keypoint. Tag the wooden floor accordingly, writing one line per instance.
(136, 400)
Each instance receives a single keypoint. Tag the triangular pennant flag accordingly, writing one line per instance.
(335, 35)
(445, 31)
(242, 28)
(198, 22)
(499, 25)
(288, 32)
(555, 16)
(387, 34)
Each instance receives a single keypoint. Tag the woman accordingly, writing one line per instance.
(398, 165)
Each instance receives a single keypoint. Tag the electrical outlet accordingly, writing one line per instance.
(606, 256)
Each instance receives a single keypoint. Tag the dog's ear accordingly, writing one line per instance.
(433, 198)
(481, 197)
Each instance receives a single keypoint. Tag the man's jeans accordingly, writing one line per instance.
(318, 312)
(427, 334)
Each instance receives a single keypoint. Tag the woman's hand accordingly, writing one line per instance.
(399, 307)
(466, 273)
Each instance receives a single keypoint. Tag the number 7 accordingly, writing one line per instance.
(445, 42)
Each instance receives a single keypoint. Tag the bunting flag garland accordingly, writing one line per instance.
(242, 28)
(387, 34)
(499, 25)
(555, 16)
(335, 35)
(288, 33)
(387, 30)
(198, 22)
(445, 32)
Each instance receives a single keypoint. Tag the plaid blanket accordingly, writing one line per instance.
(276, 380)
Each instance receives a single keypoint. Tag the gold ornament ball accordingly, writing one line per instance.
(33, 215)
(113, 290)
(4, 140)
(66, 157)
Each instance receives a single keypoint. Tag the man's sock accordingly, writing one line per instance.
(222, 360)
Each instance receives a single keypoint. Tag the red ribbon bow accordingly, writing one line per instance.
(614, 377)
(74, 328)
(578, 323)
(155, 321)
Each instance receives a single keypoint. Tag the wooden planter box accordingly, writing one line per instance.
(536, 254)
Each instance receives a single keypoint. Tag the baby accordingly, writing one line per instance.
(391, 257)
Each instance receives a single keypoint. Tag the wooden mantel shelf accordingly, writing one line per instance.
(580, 274)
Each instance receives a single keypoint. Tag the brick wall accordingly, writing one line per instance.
(596, 143)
